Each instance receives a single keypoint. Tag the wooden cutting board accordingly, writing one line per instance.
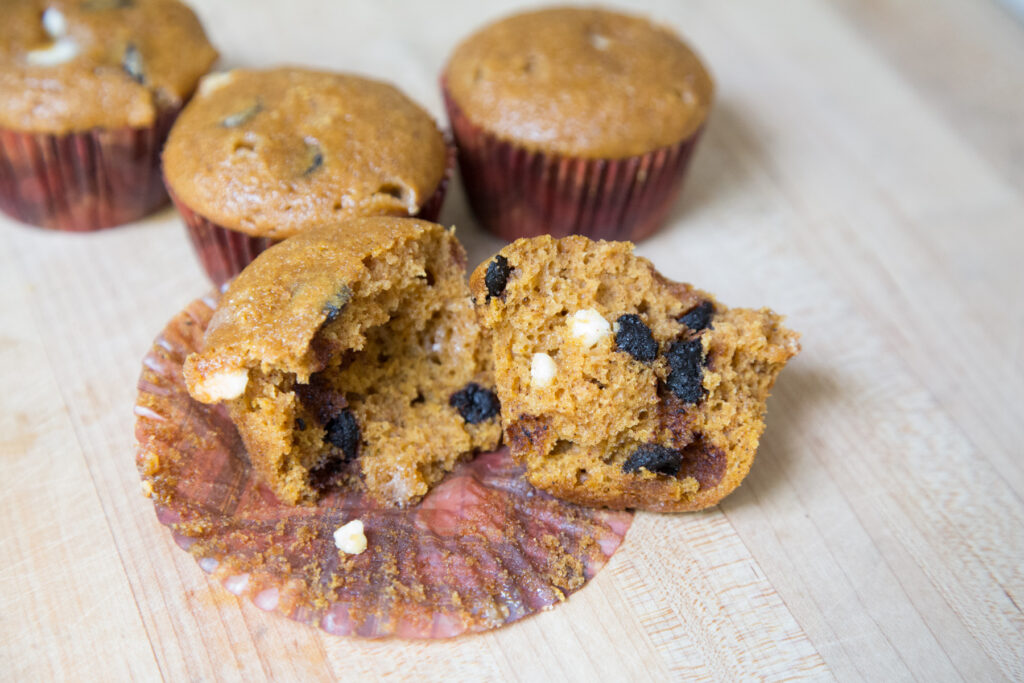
(862, 172)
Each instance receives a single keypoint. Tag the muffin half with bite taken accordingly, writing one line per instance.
(88, 92)
(619, 387)
(351, 355)
(260, 155)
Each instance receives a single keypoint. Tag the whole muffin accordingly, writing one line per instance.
(574, 121)
(260, 155)
(619, 387)
(351, 355)
(88, 91)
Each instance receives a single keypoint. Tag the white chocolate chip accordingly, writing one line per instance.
(600, 42)
(54, 23)
(589, 327)
(215, 81)
(223, 385)
(60, 51)
(349, 538)
(542, 369)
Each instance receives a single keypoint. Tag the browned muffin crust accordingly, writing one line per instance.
(580, 82)
(658, 406)
(345, 354)
(270, 153)
(74, 65)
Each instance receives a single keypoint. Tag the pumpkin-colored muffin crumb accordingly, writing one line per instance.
(618, 386)
(351, 355)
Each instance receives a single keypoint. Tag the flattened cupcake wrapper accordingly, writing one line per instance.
(83, 181)
(516, 192)
(224, 252)
(481, 550)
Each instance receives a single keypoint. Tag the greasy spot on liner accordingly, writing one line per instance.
(496, 276)
(635, 338)
(654, 458)
(475, 403)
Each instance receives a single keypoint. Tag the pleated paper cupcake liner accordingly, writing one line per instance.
(83, 181)
(516, 192)
(224, 252)
(481, 550)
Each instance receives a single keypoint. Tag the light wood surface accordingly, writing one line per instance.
(863, 172)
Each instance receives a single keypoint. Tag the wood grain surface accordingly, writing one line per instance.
(862, 172)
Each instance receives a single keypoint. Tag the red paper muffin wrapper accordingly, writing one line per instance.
(516, 192)
(225, 252)
(83, 181)
(481, 550)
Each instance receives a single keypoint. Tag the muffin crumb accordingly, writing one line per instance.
(343, 365)
(625, 424)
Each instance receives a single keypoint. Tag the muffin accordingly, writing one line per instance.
(574, 121)
(482, 549)
(621, 388)
(351, 355)
(88, 91)
(259, 156)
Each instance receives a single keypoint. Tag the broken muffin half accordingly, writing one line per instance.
(619, 387)
(351, 355)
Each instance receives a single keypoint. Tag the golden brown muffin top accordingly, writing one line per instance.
(270, 153)
(271, 311)
(580, 82)
(73, 65)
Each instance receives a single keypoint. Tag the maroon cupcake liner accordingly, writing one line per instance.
(516, 192)
(224, 252)
(481, 550)
(84, 181)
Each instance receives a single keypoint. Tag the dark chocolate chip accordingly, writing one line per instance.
(316, 156)
(238, 118)
(635, 338)
(496, 276)
(686, 360)
(699, 317)
(475, 403)
(131, 62)
(300, 424)
(336, 304)
(654, 458)
(343, 432)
